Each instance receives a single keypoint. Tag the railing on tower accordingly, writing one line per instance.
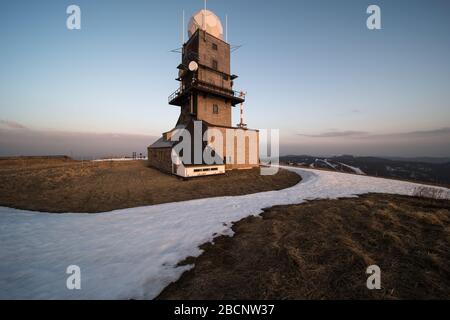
(203, 84)
(176, 94)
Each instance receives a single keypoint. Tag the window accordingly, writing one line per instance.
(215, 64)
(225, 77)
(214, 46)
(215, 109)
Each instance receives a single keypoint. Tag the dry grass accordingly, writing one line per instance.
(65, 185)
(321, 249)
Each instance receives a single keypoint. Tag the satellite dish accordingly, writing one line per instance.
(193, 66)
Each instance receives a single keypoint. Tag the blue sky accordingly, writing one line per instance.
(311, 69)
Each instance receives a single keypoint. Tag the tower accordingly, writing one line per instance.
(206, 83)
(206, 99)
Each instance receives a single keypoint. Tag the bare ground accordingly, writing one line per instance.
(64, 185)
(321, 249)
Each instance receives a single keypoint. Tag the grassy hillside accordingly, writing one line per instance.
(60, 184)
(321, 249)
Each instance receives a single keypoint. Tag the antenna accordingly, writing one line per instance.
(177, 50)
(204, 17)
(226, 28)
(183, 29)
(241, 124)
(235, 47)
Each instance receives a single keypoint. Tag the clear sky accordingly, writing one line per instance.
(311, 69)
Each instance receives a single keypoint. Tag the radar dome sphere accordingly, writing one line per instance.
(206, 20)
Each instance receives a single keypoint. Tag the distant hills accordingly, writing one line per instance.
(430, 170)
(421, 159)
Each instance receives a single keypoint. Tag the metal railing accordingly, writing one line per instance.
(175, 95)
(229, 92)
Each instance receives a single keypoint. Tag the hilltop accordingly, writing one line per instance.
(61, 184)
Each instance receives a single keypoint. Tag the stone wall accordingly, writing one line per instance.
(160, 159)
(208, 53)
(205, 111)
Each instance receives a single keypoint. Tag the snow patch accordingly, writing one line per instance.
(355, 169)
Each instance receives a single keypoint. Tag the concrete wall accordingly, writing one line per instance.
(247, 147)
(199, 171)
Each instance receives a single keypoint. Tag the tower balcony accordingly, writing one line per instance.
(179, 96)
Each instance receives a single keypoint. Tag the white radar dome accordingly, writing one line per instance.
(206, 20)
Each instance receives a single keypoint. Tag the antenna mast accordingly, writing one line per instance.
(184, 31)
(241, 124)
(204, 17)
(226, 28)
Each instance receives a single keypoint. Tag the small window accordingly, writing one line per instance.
(215, 65)
(215, 109)
(225, 77)
(214, 46)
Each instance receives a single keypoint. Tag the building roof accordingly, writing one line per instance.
(162, 143)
